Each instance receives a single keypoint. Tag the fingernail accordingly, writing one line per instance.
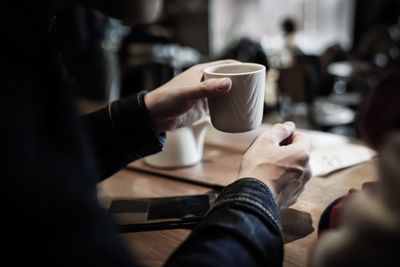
(223, 85)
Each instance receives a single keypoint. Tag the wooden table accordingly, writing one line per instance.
(300, 221)
(149, 248)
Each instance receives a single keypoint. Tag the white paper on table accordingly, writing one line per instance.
(329, 152)
(241, 141)
(327, 159)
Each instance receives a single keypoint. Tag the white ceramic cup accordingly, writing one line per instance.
(241, 109)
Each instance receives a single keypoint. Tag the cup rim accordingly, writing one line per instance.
(208, 70)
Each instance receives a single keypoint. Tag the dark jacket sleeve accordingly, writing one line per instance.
(121, 133)
(241, 229)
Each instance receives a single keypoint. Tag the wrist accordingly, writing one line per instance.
(268, 184)
(252, 191)
(269, 178)
(272, 188)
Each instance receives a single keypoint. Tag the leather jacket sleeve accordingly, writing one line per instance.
(121, 133)
(241, 229)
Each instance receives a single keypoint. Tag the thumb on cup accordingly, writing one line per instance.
(209, 88)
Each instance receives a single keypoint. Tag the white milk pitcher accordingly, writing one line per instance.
(183, 147)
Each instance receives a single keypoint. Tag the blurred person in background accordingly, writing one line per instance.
(53, 159)
(363, 227)
(290, 50)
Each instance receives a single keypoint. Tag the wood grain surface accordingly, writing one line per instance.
(219, 167)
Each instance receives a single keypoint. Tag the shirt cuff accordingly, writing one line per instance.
(254, 193)
(133, 127)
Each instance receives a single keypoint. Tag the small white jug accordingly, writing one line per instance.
(183, 147)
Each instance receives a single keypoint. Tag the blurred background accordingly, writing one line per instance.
(324, 57)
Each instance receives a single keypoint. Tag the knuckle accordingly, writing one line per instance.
(302, 153)
(278, 126)
(193, 68)
(199, 68)
(266, 137)
(281, 129)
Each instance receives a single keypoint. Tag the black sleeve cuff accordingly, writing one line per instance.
(121, 133)
(254, 193)
(134, 128)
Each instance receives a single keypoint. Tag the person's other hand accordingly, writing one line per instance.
(181, 101)
(279, 158)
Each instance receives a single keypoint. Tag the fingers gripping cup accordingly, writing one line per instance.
(241, 109)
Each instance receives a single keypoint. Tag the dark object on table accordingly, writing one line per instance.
(149, 214)
(296, 224)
